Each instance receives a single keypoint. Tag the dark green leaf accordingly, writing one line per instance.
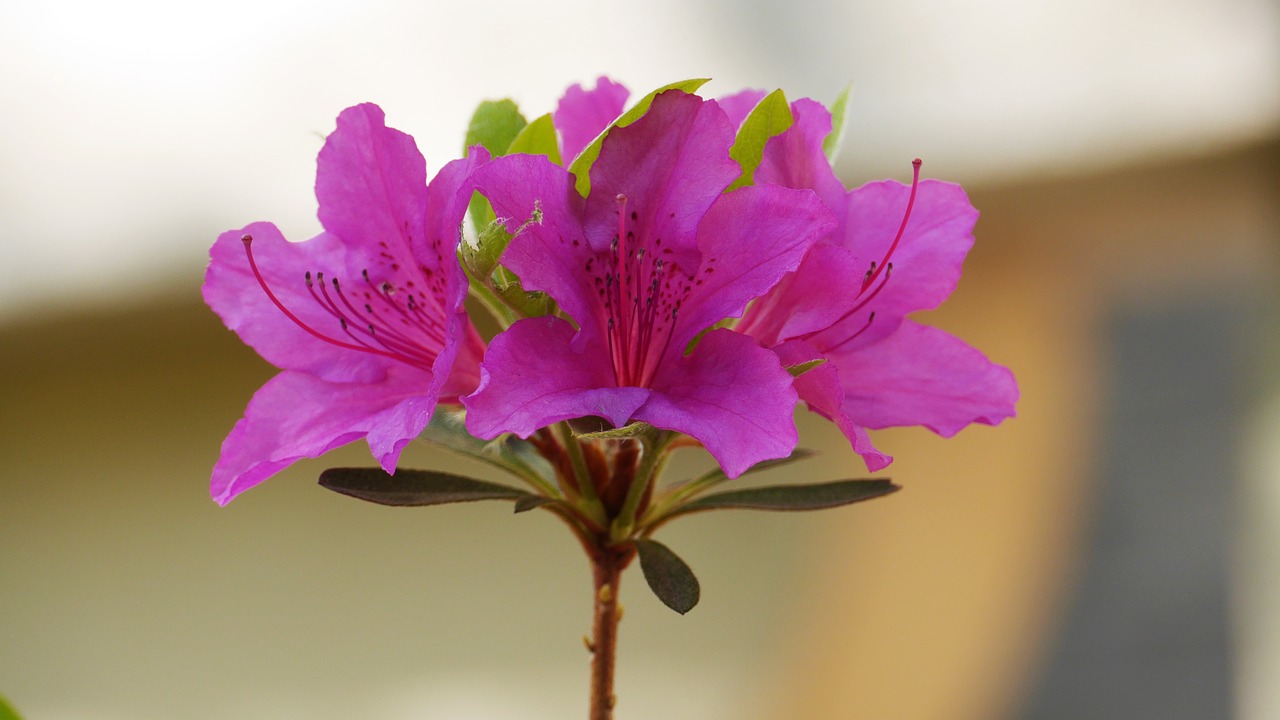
(529, 502)
(581, 165)
(414, 487)
(6, 710)
(834, 139)
(668, 576)
(816, 496)
(770, 117)
(495, 124)
(537, 138)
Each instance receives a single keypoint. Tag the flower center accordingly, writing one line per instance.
(383, 318)
(642, 296)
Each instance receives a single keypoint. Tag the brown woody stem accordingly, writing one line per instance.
(607, 565)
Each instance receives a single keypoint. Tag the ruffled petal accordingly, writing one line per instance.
(923, 376)
(371, 184)
(821, 390)
(583, 114)
(537, 372)
(670, 166)
(456, 370)
(732, 396)
(233, 292)
(749, 240)
(297, 416)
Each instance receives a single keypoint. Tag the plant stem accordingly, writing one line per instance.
(606, 566)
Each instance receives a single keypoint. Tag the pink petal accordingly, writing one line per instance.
(821, 390)
(812, 298)
(537, 373)
(549, 255)
(923, 376)
(297, 416)
(749, 240)
(731, 395)
(740, 104)
(583, 114)
(233, 292)
(670, 166)
(371, 183)
(795, 158)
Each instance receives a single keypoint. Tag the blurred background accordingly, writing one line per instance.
(1113, 552)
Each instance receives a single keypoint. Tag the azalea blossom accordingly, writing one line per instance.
(366, 319)
(896, 249)
(655, 255)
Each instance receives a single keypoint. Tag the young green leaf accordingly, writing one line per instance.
(834, 139)
(537, 138)
(635, 429)
(804, 367)
(413, 488)
(6, 710)
(770, 117)
(668, 576)
(816, 496)
(581, 165)
(494, 125)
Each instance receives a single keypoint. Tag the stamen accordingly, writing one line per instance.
(911, 201)
(394, 345)
(870, 319)
(876, 270)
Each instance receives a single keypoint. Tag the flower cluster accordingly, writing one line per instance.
(683, 290)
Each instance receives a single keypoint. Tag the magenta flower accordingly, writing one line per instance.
(366, 319)
(653, 256)
(896, 249)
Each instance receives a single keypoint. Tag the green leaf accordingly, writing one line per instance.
(538, 138)
(770, 117)
(804, 367)
(491, 241)
(495, 124)
(508, 452)
(635, 429)
(581, 165)
(529, 502)
(6, 710)
(413, 488)
(816, 496)
(834, 139)
(668, 576)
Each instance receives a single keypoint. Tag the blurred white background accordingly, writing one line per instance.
(126, 123)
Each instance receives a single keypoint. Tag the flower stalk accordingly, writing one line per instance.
(607, 565)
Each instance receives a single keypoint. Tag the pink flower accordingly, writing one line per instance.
(366, 319)
(895, 249)
(656, 254)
